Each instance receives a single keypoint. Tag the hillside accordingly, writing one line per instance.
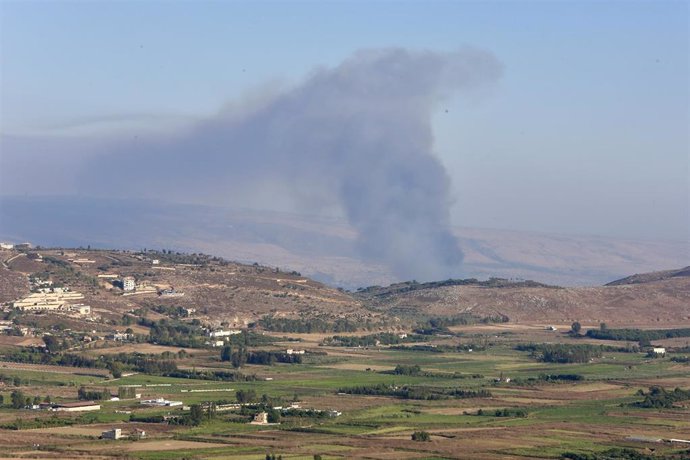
(219, 291)
(663, 302)
(651, 277)
(238, 294)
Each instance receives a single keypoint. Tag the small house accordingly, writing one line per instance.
(115, 433)
(260, 419)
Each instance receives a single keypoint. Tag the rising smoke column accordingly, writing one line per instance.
(357, 136)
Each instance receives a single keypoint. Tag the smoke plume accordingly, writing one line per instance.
(356, 137)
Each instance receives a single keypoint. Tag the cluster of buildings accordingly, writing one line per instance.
(10, 246)
(160, 402)
(223, 333)
(221, 336)
(53, 299)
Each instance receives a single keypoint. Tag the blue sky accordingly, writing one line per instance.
(586, 132)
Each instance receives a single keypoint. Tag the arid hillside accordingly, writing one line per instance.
(237, 294)
(660, 303)
(219, 291)
(651, 277)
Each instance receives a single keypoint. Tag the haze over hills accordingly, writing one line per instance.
(320, 247)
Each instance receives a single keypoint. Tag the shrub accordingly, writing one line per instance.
(421, 436)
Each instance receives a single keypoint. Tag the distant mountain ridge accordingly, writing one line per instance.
(651, 277)
(321, 247)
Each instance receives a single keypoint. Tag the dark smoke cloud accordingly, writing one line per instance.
(357, 137)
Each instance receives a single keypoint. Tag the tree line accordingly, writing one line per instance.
(415, 392)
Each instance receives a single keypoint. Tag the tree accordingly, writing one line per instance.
(126, 392)
(211, 410)
(115, 369)
(196, 415)
(240, 357)
(603, 327)
(2, 400)
(37, 400)
(245, 396)
(226, 353)
(273, 416)
(576, 327)
(18, 400)
(52, 343)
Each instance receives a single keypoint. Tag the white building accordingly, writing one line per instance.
(81, 406)
(48, 299)
(128, 283)
(115, 433)
(79, 308)
(222, 333)
(290, 351)
(160, 402)
(659, 351)
(122, 336)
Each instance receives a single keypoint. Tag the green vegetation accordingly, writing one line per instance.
(93, 395)
(562, 353)
(610, 454)
(383, 338)
(241, 356)
(308, 325)
(175, 333)
(415, 392)
(63, 273)
(521, 413)
(421, 436)
(659, 398)
(637, 335)
(409, 286)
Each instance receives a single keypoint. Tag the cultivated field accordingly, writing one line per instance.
(585, 416)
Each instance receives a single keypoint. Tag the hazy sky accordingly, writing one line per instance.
(586, 130)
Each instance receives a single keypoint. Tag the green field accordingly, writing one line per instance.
(588, 415)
